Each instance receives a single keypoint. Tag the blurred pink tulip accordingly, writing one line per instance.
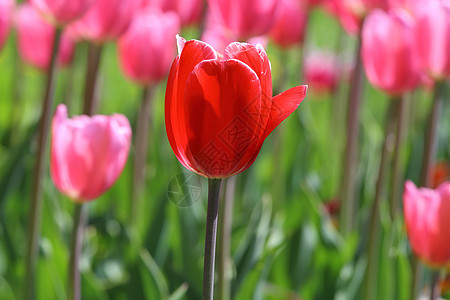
(147, 48)
(35, 39)
(388, 51)
(87, 153)
(244, 19)
(6, 11)
(348, 20)
(290, 23)
(427, 220)
(219, 37)
(61, 11)
(432, 38)
(106, 20)
(189, 11)
(312, 3)
(361, 8)
(322, 72)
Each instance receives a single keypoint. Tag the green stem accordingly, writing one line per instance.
(429, 154)
(80, 220)
(397, 177)
(351, 149)
(224, 259)
(34, 228)
(370, 279)
(434, 285)
(141, 149)
(90, 88)
(210, 240)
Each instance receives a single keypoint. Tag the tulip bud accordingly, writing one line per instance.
(62, 12)
(388, 51)
(146, 50)
(87, 153)
(35, 39)
(426, 213)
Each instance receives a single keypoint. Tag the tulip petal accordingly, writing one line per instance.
(219, 127)
(283, 105)
(193, 52)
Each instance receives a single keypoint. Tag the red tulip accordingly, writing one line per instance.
(87, 153)
(440, 173)
(312, 3)
(322, 72)
(427, 221)
(189, 11)
(62, 11)
(35, 39)
(6, 9)
(432, 38)
(219, 110)
(244, 19)
(106, 19)
(146, 50)
(388, 51)
(290, 23)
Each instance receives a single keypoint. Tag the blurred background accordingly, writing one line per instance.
(286, 240)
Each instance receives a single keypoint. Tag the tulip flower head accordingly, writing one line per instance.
(106, 20)
(146, 49)
(87, 153)
(321, 71)
(62, 11)
(388, 51)
(426, 213)
(35, 39)
(432, 38)
(6, 9)
(244, 19)
(189, 11)
(290, 23)
(219, 108)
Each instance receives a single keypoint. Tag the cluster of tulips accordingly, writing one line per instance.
(219, 103)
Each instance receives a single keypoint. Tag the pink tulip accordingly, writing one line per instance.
(361, 8)
(322, 72)
(388, 51)
(432, 38)
(348, 20)
(35, 39)
(244, 19)
(189, 11)
(6, 8)
(106, 19)
(87, 153)
(427, 219)
(219, 37)
(312, 3)
(61, 11)
(290, 23)
(146, 50)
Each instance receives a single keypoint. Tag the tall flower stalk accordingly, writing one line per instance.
(34, 225)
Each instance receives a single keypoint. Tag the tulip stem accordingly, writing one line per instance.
(397, 176)
(90, 88)
(374, 228)
(224, 259)
(34, 226)
(210, 240)
(347, 215)
(80, 219)
(141, 149)
(429, 154)
(434, 285)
